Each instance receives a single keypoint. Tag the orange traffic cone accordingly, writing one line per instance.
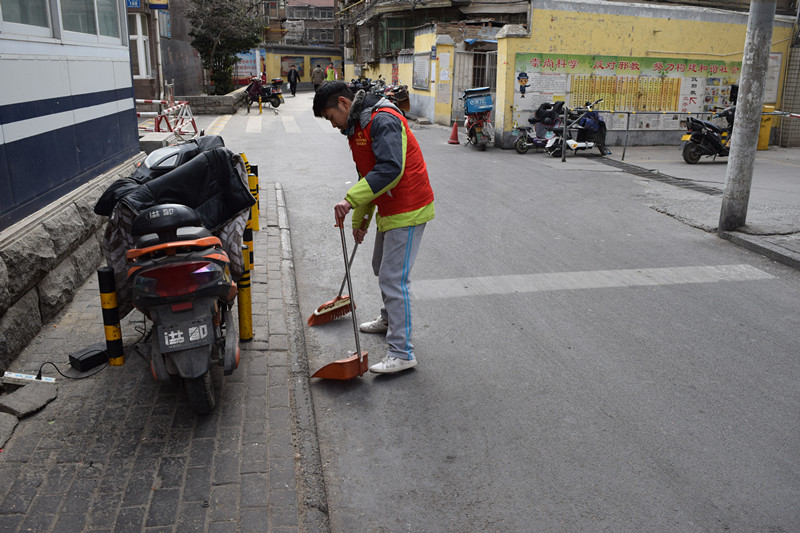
(454, 135)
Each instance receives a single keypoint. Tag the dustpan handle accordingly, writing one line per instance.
(340, 223)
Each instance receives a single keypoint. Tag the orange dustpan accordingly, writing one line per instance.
(356, 364)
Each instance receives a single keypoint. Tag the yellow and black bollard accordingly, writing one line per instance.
(244, 296)
(259, 105)
(108, 301)
(252, 181)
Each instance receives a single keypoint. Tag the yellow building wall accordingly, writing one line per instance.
(272, 61)
(584, 33)
(443, 100)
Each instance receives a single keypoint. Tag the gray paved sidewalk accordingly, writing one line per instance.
(693, 194)
(119, 452)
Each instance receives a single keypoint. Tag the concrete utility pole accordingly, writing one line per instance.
(739, 175)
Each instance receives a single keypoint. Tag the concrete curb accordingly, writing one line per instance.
(315, 511)
(763, 247)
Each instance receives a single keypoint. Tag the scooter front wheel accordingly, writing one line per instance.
(200, 393)
(521, 146)
(692, 153)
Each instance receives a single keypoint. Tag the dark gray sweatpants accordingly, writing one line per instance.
(392, 260)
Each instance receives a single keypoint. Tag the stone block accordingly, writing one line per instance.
(66, 230)
(57, 289)
(85, 207)
(87, 258)
(19, 326)
(28, 259)
(7, 424)
(28, 399)
(155, 140)
(5, 296)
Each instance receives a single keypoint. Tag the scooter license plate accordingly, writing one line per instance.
(686, 137)
(185, 335)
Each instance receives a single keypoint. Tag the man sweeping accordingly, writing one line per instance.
(392, 177)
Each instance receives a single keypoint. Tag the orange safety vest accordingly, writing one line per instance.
(413, 191)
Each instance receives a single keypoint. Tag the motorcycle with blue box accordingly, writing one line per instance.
(478, 107)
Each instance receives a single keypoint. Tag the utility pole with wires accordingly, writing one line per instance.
(744, 139)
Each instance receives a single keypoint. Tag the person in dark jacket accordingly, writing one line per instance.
(317, 77)
(394, 178)
(293, 77)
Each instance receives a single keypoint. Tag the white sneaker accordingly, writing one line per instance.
(375, 326)
(390, 365)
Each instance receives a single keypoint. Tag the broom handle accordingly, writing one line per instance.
(352, 256)
(344, 279)
(350, 288)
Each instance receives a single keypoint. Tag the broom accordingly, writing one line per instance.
(336, 308)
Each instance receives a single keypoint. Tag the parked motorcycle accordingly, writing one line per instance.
(537, 135)
(398, 95)
(271, 94)
(478, 107)
(359, 84)
(174, 240)
(590, 128)
(181, 280)
(704, 138)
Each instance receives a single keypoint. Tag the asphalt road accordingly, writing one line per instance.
(586, 363)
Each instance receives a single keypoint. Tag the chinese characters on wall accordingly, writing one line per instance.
(626, 84)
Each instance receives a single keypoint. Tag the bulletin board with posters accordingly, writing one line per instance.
(288, 61)
(626, 84)
(246, 67)
(321, 61)
(421, 75)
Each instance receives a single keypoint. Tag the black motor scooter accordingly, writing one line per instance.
(181, 280)
(271, 94)
(704, 138)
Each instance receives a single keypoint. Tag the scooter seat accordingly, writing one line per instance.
(164, 217)
(167, 223)
(186, 233)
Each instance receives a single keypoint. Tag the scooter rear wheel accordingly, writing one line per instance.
(200, 393)
(521, 146)
(275, 101)
(692, 153)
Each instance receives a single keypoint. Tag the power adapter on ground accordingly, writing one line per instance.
(87, 359)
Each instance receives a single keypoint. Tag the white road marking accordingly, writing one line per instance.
(598, 279)
(253, 125)
(290, 124)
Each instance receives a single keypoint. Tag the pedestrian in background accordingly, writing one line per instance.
(330, 72)
(317, 77)
(394, 178)
(293, 77)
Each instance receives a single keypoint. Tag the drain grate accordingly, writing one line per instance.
(664, 178)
